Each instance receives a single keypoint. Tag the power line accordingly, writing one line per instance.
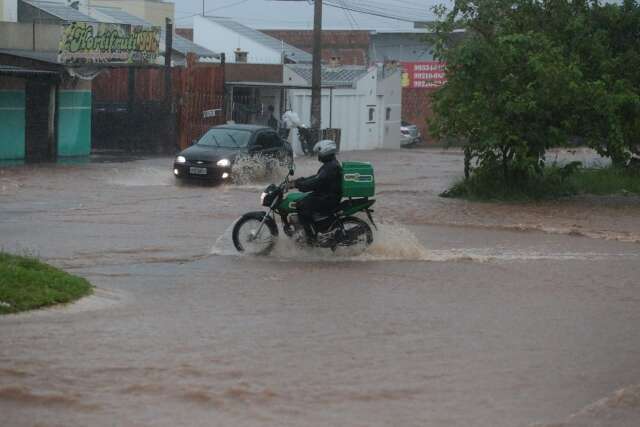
(350, 19)
(213, 10)
(368, 11)
(380, 10)
(374, 5)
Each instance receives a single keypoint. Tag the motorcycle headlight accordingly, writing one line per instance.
(181, 159)
(262, 196)
(224, 163)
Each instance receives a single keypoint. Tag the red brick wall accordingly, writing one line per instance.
(187, 33)
(267, 73)
(416, 108)
(351, 46)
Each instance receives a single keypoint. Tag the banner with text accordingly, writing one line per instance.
(428, 74)
(97, 43)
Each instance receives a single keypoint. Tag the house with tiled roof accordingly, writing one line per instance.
(242, 44)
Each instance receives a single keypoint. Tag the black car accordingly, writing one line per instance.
(212, 157)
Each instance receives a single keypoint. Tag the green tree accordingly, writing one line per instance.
(533, 74)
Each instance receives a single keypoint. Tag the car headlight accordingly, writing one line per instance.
(224, 163)
(262, 196)
(181, 159)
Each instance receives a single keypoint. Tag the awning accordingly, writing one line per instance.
(10, 70)
(36, 55)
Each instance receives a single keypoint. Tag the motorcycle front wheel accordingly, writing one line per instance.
(246, 238)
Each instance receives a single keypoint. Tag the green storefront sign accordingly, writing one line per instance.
(92, 43)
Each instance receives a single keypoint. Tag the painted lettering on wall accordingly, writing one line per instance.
(89, 43)
(428, 74)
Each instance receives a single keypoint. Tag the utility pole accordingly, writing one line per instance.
(168, 87)
(316, 79)
(203, 8)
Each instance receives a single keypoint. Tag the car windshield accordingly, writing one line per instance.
(225, 138)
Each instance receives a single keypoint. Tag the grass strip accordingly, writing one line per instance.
(554, 183)
(27, 284)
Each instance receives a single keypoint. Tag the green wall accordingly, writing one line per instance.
(74, 123)
(12, 124)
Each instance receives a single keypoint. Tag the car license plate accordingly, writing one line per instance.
(197, 171)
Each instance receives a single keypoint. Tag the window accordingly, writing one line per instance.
(227, 138)
(388, 114)
(268, 140)
(372, 114)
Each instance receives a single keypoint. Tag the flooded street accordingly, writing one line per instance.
(460, 314)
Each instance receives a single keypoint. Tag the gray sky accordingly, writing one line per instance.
(273, 14)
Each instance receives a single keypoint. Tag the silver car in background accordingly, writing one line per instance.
(409, 134)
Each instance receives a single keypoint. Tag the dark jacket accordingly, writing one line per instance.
(326, 184)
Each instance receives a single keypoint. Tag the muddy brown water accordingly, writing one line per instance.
(460, 314)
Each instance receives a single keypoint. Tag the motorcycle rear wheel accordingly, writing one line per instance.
(244, 234)
(358, 236)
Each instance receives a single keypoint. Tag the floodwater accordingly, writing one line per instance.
(460, 314)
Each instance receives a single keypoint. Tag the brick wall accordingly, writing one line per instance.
(416, 108)
(266, 73)
(351, 46)
(187, 33)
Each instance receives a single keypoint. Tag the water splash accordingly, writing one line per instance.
(248, 169)
(394, 242)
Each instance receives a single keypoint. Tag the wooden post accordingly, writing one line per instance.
(172, 143)
(167, 58)
(316, 76)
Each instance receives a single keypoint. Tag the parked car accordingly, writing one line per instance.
(409, 134)
(214, 154)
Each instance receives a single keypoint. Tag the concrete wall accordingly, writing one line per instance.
(220, 39)
(399, 47)
(152, 11)
(12, 118)
(390, 97)
(21, 36)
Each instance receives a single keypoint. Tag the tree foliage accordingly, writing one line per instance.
(531, 74)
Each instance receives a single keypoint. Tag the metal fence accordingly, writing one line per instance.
(132, 112)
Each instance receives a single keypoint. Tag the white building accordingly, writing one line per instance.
(8, 10)
(240, 43)
(362, 102)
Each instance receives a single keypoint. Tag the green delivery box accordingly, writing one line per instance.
(358, 180)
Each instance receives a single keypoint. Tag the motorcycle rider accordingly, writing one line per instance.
(325, 186)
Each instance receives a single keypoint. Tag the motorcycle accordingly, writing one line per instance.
(256, 232)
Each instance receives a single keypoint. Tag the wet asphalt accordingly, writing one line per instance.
(461, 314)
